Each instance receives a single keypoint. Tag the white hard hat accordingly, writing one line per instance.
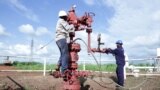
(62, 13)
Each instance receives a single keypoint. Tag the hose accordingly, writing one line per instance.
(99, 66)
(45, 45)
(90, 50)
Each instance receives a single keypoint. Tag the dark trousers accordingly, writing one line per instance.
(120, 74)
(64, 54)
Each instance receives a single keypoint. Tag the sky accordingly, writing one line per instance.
(135, 22)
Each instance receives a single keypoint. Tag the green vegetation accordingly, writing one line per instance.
(39, 66)
(32, 65)
(93, 67)
(103, 67)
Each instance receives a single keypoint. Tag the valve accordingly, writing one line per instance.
(70, 77)
(99, 41)
(98, 49)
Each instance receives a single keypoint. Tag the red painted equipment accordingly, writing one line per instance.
(70, 77)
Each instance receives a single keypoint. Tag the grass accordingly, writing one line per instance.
(39, 66)
(93, 67)
(32, 65)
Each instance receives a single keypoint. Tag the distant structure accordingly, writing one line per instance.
(7, 62)
(31, 51)
(158, 52)
(158, 59)
(126, 60)
(126, 64)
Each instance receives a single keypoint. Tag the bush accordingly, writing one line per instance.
(39, 66)
(28, 65)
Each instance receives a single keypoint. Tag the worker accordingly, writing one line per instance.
(63, 28)
(120, 61)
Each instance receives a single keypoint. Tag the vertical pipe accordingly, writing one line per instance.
(126, 64)
(124, 72)
(158, 52)
(158, 60)
(44, 67)
(89, 42)
(31, 51)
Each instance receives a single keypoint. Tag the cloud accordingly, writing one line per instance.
(1, 45)
(29, 30)
(156, 15)
(18, 49)
(3, 32)
(149, 40)
(24, 10)
(89, 2)
(22, 52)
(41, 31)
(3, 49)
(22, 49)
(41, 51)
(99, 2)
(136, 23)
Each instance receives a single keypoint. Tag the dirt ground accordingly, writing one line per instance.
(3, 67)
(36, 81)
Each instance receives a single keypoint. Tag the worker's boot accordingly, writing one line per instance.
(57, 67)
(66, 74)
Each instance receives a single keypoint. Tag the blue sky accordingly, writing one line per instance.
(136, 22)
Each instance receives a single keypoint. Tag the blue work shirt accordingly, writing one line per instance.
(119, 55)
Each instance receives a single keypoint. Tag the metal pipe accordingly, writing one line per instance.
(143, 74)
(24, 70)
(89, 42)
(44, 67)
(89, 30)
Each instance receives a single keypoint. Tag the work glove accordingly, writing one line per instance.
(93, 49)
(106, 50)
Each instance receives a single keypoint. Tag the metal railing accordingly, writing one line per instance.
(154, 61)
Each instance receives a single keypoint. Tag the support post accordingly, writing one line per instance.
(158, 59)
(84, 65)
(126, 65)
(44, 67)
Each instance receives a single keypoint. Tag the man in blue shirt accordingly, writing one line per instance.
(120, 61)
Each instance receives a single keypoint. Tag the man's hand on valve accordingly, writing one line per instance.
(106, 50)
(94, 50)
